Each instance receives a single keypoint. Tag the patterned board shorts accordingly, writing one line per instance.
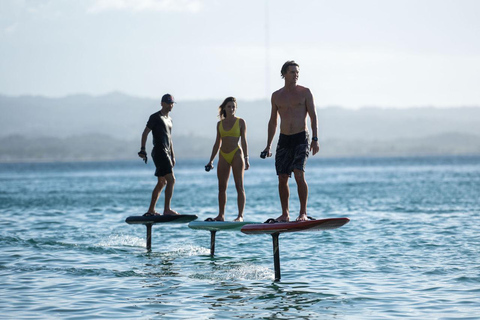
(292, 153)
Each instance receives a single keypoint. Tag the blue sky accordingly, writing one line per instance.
(352, 53)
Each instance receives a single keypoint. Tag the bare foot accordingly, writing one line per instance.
(302, 217)
(219, 218)
(283, 218)
(170, 213)
(239, 219)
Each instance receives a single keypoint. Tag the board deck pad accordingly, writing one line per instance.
(181, 218)
(217, 225)
(294, 226)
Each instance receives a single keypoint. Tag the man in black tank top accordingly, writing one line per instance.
(160, 124)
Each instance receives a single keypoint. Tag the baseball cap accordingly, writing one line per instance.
(168, 98)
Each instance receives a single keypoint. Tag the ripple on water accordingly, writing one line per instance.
(410, 250)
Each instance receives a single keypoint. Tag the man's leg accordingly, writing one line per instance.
(170, 178)
(302, 189)
(156, 193)
(284, 192)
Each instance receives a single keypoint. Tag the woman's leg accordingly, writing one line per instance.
(223, 173)
(238, 168)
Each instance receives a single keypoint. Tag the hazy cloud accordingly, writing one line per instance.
(144, 5)
(10, 29)
(352, 53)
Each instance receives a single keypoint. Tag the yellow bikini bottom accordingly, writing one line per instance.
(229, 156)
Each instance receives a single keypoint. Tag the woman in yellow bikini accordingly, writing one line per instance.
(230, 130)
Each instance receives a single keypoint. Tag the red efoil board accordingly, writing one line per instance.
(294, 226)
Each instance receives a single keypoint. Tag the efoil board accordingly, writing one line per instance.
(181, 218)
(217, 225)
(294, 226)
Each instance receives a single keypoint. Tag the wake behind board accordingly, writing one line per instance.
(294, 226)
(217, 225)
(274, 229)
(181, 218)
(214, 226)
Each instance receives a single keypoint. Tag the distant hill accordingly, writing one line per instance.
(82, 127)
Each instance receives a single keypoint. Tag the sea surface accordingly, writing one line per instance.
(411, 249)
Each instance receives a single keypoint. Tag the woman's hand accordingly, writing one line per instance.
(209, 166)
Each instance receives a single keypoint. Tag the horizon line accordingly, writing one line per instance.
(325, 106)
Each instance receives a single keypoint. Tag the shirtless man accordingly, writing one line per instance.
(160, 124)
(293, 103)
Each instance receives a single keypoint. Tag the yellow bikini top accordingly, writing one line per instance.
(234, 132)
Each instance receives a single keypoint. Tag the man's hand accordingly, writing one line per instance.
(142, 154)
(266, 153)
(314, 147)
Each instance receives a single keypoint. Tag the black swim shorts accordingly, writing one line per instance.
(292, 153)
(163, 162)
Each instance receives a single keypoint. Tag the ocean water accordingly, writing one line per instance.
(411, 249)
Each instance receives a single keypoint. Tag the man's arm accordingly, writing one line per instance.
(272, 126)
(312, 113)
(172, 153)
(142, 154)
(144, 137)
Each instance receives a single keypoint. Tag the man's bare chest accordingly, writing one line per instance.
(288, 106)
(290, 100)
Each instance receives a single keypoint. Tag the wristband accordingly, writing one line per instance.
(314, 139)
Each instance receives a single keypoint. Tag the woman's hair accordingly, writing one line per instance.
(286, 65)
(222, 114)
